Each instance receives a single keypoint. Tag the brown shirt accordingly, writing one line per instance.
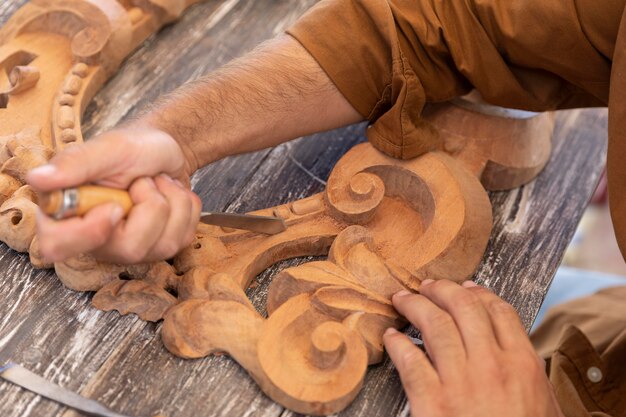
(391, 57)
(584, 343)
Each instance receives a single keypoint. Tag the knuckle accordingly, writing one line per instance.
(100, 235)
(160, 204)
(132, 252)
(481, 289)
(465, 300)
(182, 195)
(440, 405)
(408, 301)
(439, 319)
(186, 202)
(407, 305)
(410, 358)
(169, 187)
(413, 385)
(439, 284)
(166, 249)
(195, 198)
(195, 205)
(500, 307)
(493, 370)
(189, 238)
(529, 362)
(482, 292)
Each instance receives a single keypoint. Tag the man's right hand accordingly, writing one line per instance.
(151, 165)
(275, 93)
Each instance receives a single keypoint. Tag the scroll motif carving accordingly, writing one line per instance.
(385, 224)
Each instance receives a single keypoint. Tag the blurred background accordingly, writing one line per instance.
(594, 247)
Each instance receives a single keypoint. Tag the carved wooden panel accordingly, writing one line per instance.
(385, 224)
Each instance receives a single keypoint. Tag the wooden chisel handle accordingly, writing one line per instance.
(61, 204)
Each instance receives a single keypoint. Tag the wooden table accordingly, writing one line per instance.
(121, 360)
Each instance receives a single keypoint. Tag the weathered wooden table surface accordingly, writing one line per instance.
(121, 360)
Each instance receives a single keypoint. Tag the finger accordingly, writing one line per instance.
(60, 240)
(147, 152)
(416, 372)
(76, 165)
(468, 312)
(509, 330)
(194, 218)
(439, 331)
(132, 239)
(176, 231)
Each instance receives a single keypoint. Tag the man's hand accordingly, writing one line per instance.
(275, 93)
(147, 162)
(479, 359)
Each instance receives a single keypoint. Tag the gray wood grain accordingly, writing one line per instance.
(121, 361)
(8, 7)
(534, 223)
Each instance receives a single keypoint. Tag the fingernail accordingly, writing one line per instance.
(166, 177)
(402, 293)
(180, 184)
(427, 281)
(116, 214)
(469, 284)
(44, 171)
(390, 331)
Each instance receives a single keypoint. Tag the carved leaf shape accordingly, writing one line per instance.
(8, 185)
(147, 300)
(85, 273)
(24, 159)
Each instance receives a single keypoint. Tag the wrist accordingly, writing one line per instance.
(156, 121)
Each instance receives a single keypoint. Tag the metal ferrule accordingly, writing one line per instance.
(69, 204)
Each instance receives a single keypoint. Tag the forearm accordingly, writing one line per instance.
(273, 94)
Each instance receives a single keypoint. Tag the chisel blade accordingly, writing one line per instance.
(260, 224)
(26, 379)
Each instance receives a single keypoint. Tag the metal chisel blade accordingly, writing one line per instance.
(261, 224)
(33, 382)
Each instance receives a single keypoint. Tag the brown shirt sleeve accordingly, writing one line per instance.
(391, 57)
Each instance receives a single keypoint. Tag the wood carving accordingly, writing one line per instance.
(385, 224)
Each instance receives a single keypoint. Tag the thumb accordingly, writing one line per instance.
(76, 165)
(60, 240)
(417, 374)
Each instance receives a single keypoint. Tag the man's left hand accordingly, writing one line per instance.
(478, 361)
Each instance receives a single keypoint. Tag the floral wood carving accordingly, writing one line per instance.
(385, 224)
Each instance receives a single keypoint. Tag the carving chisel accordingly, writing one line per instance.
(77, 201)
(33, 382)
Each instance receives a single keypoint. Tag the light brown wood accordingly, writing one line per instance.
(385, 224)
(87, 197)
